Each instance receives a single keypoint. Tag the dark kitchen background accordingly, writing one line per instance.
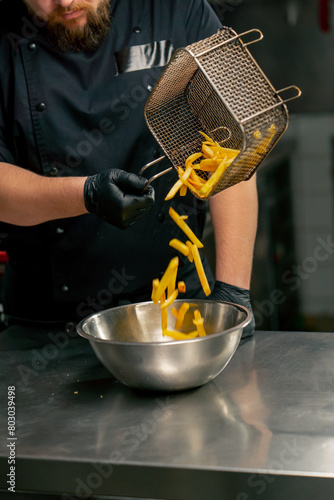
(293, 274)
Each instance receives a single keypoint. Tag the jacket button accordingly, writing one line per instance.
(60, 230)
(161, 217)
(32, 46)
(64, 288)
(53, 171)
(157, 153)
(137, 29)
(41, 106)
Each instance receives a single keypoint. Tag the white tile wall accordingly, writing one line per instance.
(313, 192)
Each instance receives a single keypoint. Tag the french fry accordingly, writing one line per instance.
(190, 160)
(172, 283)
(155, 298)
(185, 228)
(174, 189)
(179, 335)
(200, 270)
(209, 165)
(215, 177)
(262, 146)
(199, 323)
(179, 184)
(181, 286)
(164, 314)
(165, 280)
(196, 178)
(206, 137)
(193, 186)
(190, 255)
(184, 175)
(181, 314)
(175, 312)
(208, 151)
(170, 299)
(179, 246)
(183, 189)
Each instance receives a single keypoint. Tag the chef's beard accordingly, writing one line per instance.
(85, 38)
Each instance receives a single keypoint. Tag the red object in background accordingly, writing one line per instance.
(324, 15)
(3, 258)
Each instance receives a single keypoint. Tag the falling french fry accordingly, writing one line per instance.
(199, 323)
(180, 315)
(179, 246)
(190, 255)
(185, 228)
(166, 279)
(200, 270)
(170, 299)
(174, 189)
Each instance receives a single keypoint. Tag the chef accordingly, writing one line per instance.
(80, 233)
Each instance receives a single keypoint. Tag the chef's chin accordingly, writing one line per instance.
(81, 38)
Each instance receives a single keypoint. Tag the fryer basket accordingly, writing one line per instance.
(216, 86)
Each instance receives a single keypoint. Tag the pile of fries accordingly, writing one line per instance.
(212, 162)
(203, 171)
(167, 289)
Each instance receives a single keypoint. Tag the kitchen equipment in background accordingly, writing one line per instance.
(128, 341)
(215, 86)
(293, 9)
(325, 15)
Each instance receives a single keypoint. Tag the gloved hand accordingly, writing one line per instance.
(230, 293)
(117, 197)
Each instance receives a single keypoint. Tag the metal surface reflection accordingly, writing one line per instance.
(193, 427)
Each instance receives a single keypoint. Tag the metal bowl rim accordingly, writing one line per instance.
(243, 323)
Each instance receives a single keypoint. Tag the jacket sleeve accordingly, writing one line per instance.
(201, 21)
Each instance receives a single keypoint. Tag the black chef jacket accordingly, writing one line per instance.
(77, 114)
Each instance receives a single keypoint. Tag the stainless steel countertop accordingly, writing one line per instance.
(264, 426)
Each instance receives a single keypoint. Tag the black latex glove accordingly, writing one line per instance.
(117, 197)
(230, 293)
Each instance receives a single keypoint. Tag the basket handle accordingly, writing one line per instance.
(255, 30)
(280, 103)
(256, 39)
(156, 176)
(298, 93)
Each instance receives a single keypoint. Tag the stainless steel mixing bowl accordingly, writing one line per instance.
(128, 341)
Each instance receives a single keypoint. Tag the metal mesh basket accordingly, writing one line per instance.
(215, 86)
